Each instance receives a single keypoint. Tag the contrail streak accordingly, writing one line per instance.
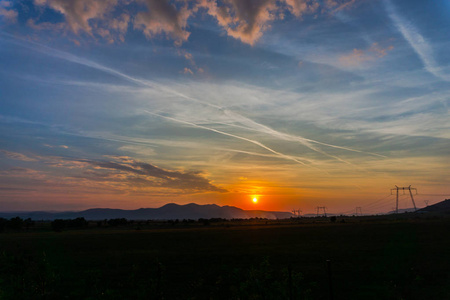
(288, 137)
(230, 135)
(250, 124)
(416, 41)
(254, 153)
(88, 63)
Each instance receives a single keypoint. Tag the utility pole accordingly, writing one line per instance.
(408, 188)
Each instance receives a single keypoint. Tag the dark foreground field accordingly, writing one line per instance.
(404, 259)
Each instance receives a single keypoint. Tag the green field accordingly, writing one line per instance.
(370, 259)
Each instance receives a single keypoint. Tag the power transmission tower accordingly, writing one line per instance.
(358, 211)
(297, 212)
(408, 188)
(323, 209)
(426, 202)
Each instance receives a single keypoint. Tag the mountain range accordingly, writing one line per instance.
(169, 211)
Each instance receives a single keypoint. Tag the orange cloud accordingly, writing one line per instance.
(17, 156)
(300, 7)
(245, 20)
(187, 71)
(45, 25)
(93, 17)
(163, 17)
(119, 26)
(8, 13)
(359, 56)
(78, 13)
(337, 5)
(190, 58)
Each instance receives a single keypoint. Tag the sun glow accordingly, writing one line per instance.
(255, 200)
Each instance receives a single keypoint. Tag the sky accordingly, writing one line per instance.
(298, 103)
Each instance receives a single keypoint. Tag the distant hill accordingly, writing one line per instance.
(169, 211)
(441, 207)
(402, 210)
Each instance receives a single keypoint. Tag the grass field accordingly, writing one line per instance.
(390, 259)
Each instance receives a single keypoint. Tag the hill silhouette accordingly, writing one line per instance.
(169, 211)
(441, 207)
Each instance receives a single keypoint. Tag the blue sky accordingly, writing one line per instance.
(134, 104)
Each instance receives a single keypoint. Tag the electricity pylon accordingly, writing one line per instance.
(408, 188)
(297, 212)
(358, 211)
(323, 209)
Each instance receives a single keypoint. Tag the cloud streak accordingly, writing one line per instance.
(420, 45)
(17, 156)
(117, 169)
(279, 154)
(358, 56)
(288, 137)
(248, 123)
(151, 175)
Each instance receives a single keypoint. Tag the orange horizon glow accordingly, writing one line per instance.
(277, 193)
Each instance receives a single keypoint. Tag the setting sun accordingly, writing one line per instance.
(255, 200)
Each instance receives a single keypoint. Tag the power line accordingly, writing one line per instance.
(384, 204)
(376, 201)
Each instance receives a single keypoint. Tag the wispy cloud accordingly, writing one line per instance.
(162, 16)
(17, 156)
(244, 20)
(110, 19)
(359, 56)
(300, 7)
(118, 169)
(420, 45)
(233, 136)
(8, 12)
(92, 17)
(187, 71)
(235, 117)
(164, 178)
(284, 136)
(79, 13)
(338, 5)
